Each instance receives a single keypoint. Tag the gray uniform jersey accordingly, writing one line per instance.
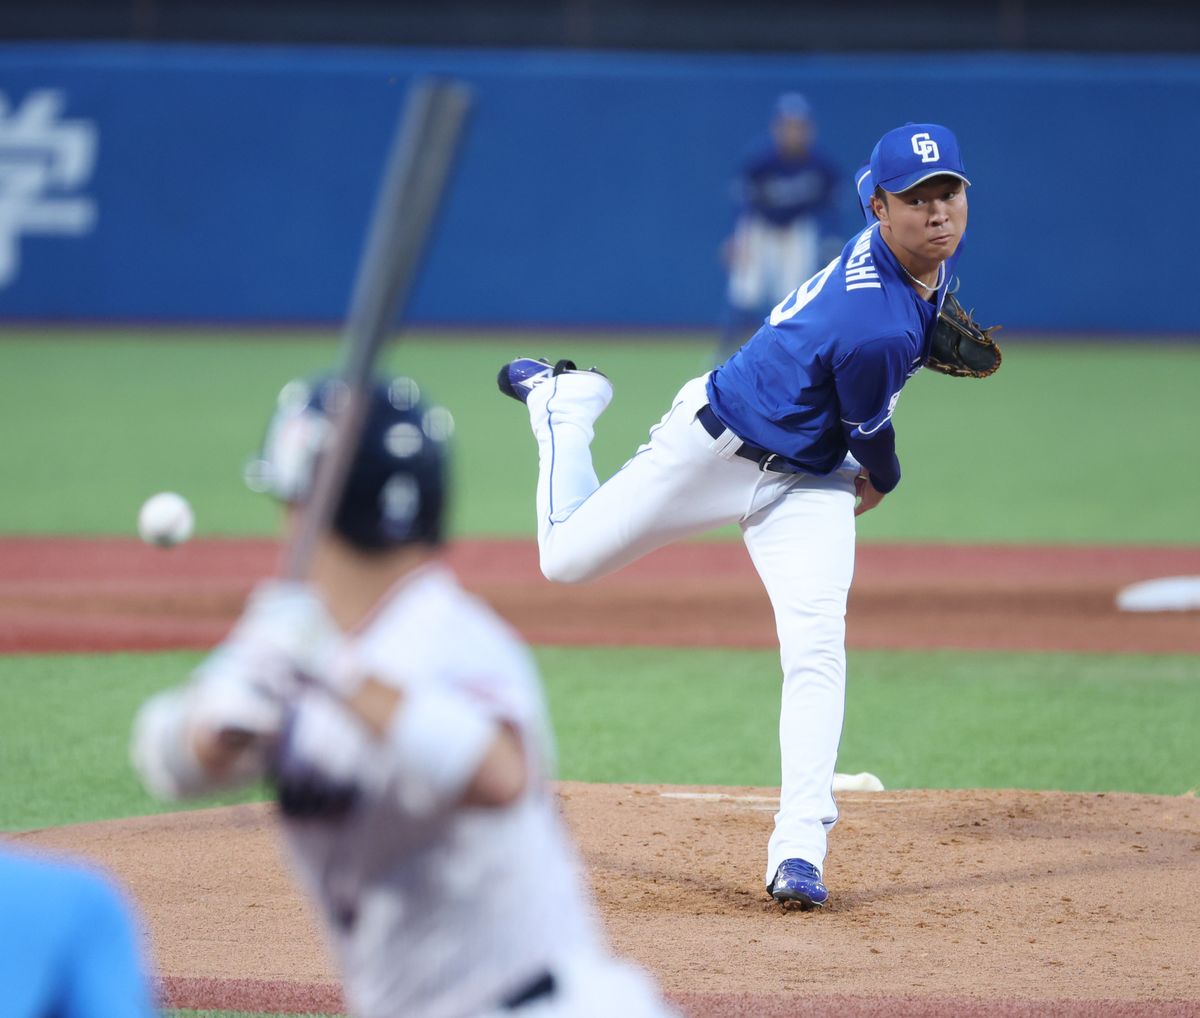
(443, 912)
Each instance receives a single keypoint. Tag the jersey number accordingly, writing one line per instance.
(798, 298)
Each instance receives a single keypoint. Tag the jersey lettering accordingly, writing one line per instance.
(794, 302)
(860, 267)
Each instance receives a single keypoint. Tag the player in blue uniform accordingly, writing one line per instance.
(785, 195)
(848, 355)
(791, 439)
(68, 944)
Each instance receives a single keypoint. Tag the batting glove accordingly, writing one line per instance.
(284, 638)
(287, 620)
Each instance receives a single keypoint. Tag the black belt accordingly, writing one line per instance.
(540, 987)
(766, 460)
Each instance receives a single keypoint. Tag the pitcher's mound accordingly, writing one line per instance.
(942, 902)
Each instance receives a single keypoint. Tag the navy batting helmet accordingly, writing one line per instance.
(395, 491)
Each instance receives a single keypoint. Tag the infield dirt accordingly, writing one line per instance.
(944, 903)
(101, 595)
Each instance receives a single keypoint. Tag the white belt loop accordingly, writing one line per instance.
(726, 445)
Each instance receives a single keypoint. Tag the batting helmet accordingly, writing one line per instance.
(395, 491)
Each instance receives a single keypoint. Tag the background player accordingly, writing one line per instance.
(70, 946)
(403, 727)
(783, 438)
(785, 194)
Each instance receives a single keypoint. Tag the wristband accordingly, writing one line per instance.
(437, 741)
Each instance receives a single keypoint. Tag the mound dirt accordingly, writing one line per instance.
(943, 902)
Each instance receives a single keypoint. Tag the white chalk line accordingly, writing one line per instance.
(769, 803)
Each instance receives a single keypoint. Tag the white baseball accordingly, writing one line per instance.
(166, 519)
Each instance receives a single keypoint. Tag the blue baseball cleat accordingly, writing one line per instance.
(798, 883)
(517, 378)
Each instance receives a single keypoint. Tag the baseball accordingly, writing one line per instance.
(165, 520)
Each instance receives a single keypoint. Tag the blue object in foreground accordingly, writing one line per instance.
(69, 944)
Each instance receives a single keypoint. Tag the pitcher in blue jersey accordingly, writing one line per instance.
(791, 438)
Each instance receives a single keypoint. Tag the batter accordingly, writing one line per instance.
(791, 439)
(403, 728)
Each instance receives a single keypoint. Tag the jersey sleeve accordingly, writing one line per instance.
(877, 455)
(435, 745)
(868, 381)
(218, 695)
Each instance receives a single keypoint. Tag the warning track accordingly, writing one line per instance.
(107, 595)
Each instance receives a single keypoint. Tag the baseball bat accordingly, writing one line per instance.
(418, 165)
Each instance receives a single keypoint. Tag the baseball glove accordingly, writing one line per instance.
(960, 347)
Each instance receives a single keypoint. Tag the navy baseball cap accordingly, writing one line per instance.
(907, 155)
(793, 104)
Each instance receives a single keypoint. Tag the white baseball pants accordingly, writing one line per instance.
(770, 261)
(798, 528)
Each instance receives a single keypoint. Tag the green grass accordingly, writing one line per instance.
(108, 420)
(916, 719)
(938, 720)
(64, 735)
(1069, 442)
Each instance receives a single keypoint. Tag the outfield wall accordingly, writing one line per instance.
(184, 183)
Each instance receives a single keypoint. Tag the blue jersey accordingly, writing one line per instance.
(822, 376)
(782, 189)
(68, 945)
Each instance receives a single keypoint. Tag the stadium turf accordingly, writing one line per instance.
(1069, 442)
(916, 719)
